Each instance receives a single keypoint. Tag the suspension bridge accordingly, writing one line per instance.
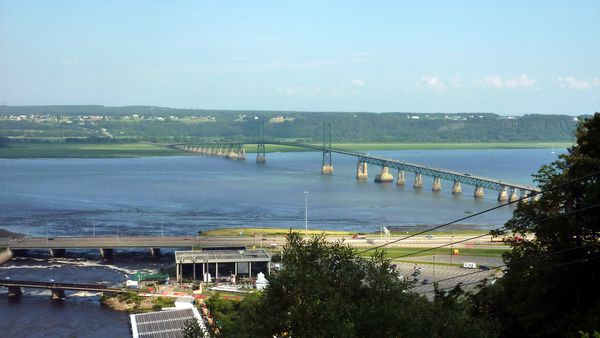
(236, 151)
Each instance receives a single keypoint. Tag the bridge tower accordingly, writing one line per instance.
(327, 167)
(260, 143)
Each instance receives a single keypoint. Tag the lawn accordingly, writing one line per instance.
(481, 252)
(83, 150)
(266, 232)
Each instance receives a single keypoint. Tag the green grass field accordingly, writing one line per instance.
(422, 146)
(82, 150)
(480, 252)
(266, 232)
(119, 150)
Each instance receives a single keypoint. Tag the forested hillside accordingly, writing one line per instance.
(144, 123)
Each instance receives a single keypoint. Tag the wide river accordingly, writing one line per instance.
(180, 195)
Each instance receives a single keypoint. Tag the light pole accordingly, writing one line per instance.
(306, 212)
(451, 248)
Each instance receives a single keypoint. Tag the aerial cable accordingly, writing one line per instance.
(481, 212)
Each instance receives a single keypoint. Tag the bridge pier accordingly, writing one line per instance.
(260, 158)
(327, 169)
(503, 195)
(233, 155)
(58, 294)
(15, 291)
(57, 253)
(155, 252)
(6, 256)
(106, 253)
(456, 188)
(401, 180)
(478, 192)
(384, 176)
(242, 153)
(525, 196)
(437, 184)
(361, 171)
(418, 181)
(514, 195)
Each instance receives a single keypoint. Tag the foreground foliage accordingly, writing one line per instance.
(551, 284)
(327, 290)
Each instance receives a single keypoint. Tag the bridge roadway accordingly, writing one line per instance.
(445, 174)
(60, 286)
(105, 243)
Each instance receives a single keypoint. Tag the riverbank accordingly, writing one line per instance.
(84, 150)
(127, 150)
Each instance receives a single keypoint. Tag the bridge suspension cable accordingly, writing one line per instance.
(498, 229)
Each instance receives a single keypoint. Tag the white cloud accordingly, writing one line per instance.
(522, 81)
(431, 82)
(572, 83)
(292, 90)
(357, 83)
(457, 82)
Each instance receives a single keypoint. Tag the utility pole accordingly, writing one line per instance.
(306, 211)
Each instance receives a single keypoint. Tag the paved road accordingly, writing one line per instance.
(447, 276)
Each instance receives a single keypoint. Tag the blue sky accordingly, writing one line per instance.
(507, 57)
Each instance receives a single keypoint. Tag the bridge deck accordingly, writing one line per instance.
(105, 243)
(60, 286)
(445, 174)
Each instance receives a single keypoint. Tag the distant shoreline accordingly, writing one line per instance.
(16, 150)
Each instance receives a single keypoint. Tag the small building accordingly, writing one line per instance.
(221, 264)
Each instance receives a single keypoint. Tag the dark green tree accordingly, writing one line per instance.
(552, 279)
(327, 290)
(192, 329)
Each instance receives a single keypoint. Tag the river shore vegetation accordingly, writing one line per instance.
(97, 131)
(134, 303)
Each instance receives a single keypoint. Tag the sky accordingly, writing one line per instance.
(505, 57)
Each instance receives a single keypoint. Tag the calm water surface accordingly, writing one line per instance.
(179, 195)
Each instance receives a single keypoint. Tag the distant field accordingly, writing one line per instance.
(79, 150)
(119, 150)
(250, 148)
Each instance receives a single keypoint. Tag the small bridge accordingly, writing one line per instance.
(506, 191)
(58, 289)
(106, 245)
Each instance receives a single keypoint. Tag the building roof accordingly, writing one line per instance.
(222, 256)
(167, 323)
